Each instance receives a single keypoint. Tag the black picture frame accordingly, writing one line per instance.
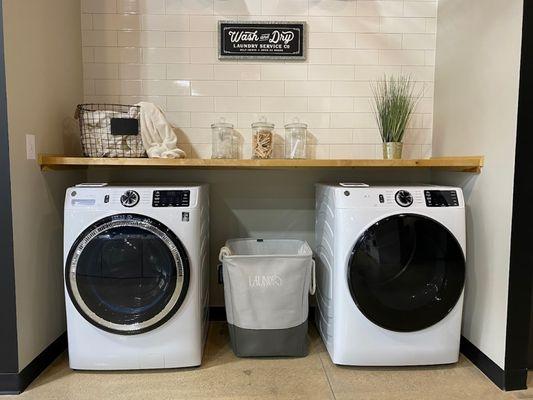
(262, 40)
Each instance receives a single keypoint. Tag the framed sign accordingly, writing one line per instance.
(270, 40)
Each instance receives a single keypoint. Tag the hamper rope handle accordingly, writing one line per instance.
(312, 289)
(224, 251)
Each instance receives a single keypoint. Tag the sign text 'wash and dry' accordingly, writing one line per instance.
(261, 40)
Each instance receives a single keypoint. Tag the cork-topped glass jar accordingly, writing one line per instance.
(262, 139)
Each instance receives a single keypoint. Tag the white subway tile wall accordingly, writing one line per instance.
(164, 51)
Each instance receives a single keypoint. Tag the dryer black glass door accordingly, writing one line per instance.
(406, 272)
(127, 274)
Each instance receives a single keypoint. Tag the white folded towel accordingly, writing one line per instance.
(157, 134)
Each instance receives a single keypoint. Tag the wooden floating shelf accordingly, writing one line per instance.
(461, 164)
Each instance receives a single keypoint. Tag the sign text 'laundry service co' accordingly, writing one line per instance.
(262, 40)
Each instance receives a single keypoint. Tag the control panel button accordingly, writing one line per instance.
(381, 199)
(130, 198)
(403, 198)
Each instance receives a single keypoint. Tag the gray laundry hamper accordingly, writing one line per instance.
(266, 289)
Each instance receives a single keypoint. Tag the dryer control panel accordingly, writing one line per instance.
(171, 198)
(441, 198)
(396, 197)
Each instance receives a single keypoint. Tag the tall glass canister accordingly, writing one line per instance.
(224, 141)
(262, 139)
(296, 140)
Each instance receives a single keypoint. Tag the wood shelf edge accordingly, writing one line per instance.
(472, 164)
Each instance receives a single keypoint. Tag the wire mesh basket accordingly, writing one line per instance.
(110, 130)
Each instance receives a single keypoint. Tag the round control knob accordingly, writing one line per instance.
(130, 198)
(403, 198)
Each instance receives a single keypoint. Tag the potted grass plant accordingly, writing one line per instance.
(394, 102)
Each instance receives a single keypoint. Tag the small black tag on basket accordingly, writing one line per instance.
(124, 126)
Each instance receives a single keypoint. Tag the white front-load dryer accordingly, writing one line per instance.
(136, 276)
(390, 273)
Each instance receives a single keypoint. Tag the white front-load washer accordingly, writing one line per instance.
(136, 276)
(390, 273)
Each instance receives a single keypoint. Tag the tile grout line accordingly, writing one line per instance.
(327, 377)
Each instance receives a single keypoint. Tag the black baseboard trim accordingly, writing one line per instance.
(16, 383)
(484, 364)
(505, 380)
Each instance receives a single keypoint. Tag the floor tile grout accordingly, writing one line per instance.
(327, 377)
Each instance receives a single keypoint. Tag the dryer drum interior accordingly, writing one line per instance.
(406, 272)
(127, 274)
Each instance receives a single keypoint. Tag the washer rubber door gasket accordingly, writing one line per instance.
(406, 272)
(127, 274)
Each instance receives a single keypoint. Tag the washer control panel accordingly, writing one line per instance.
(171, 198)
(441, 198)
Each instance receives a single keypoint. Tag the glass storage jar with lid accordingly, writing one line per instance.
(296, 140)
(224, 140)
(262, 139)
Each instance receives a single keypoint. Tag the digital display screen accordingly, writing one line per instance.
(171, 198)
(441, 198)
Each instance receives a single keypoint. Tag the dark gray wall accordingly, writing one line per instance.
(8, 333)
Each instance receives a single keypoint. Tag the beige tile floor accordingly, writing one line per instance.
(224, 376)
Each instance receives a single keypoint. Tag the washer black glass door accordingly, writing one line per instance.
(406, 272)
(127, 274)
